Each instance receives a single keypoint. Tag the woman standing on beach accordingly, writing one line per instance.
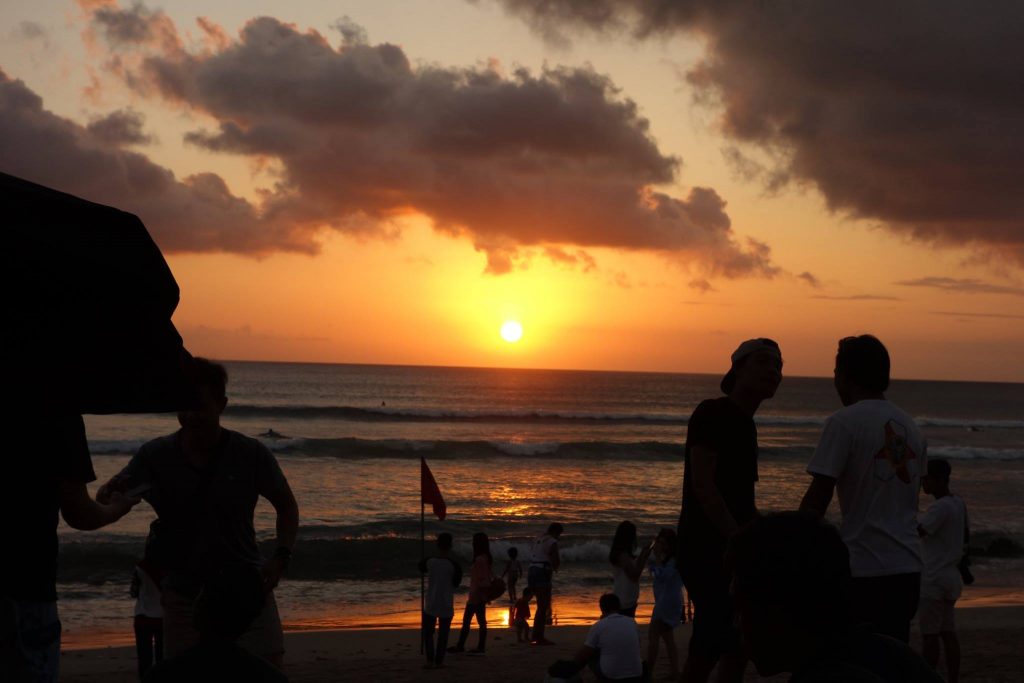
(480, 577)
(668, 601)
(628, 567)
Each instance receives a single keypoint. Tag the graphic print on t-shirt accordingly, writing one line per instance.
(895, 455)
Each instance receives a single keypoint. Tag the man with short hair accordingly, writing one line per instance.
(611, 650)
(943, 529)
(718, 498)
(544, 562)
(872, 454)
(204, 482)
(790, 577)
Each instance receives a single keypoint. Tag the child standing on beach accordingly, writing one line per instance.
(942, 529)
(443, 576)
(668, 601)
(513, 570)
(149, 615)
(521, 616)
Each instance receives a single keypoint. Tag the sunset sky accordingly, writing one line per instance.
(390, 182)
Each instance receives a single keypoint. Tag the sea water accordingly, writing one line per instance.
(512, 450)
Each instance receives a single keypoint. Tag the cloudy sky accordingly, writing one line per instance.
(640, 184)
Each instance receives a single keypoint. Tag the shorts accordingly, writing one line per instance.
(936, 616)
(264, 637)
(539, 576)
(707, 584)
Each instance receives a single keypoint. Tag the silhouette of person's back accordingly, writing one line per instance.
(226, 606)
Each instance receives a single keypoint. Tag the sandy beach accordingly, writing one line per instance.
(990, 637)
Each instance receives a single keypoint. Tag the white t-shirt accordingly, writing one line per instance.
(440, 587)
(942, 547)
(876, 453)
(618, 639)
(540, 551)
(148, 604)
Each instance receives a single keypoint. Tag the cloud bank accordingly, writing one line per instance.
(905, 113)
(359, 136)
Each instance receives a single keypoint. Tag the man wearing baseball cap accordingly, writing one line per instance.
(718, 498)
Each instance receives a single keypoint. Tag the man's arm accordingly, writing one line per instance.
(819, 495)
(556, 559)
(81, 512)
(703, 461)
(287, 510)
(584, 655)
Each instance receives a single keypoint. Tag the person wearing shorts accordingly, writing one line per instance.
(544, 561)
(942, 528)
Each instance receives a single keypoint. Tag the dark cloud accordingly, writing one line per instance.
(905, 113)
(122, 127)
(856, 297)
(810, 278)
(576, 259)
(962, 285)
(701, 285)
(196, 213)
(558, 158)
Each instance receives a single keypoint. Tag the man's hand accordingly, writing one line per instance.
(272, 570)
(117, 484)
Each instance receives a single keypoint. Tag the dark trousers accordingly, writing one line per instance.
(478, 610)
(149, 643)
(887, 603)
(444, 625)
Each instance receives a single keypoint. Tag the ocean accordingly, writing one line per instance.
(513, 450)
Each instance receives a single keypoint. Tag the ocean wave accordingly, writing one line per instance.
(975, 453)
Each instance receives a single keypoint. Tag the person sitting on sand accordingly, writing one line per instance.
(791, 587)
(611, 649)
(521, 616)
(513, 570)
(544, 561)
(628, 567)
(480, 577)
(668, 601)
(872, 454)
(443, 576)
(943, 529)
(227, 604)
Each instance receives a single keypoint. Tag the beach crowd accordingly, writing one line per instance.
(786, 591)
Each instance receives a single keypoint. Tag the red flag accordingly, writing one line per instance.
(429, 492)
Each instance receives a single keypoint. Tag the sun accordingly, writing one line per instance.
(512, 331)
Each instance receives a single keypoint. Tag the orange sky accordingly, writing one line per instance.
(407, 292)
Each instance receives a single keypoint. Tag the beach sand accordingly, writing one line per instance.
(990, 636)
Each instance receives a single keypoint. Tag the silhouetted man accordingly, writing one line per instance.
(544, 562)
(718, 498)
(872, 454)
(204, 483)
(228, 603)
(791, 587)
(46, 472)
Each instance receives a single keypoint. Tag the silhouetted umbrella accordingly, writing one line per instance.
(88, 306)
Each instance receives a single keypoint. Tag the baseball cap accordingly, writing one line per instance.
(742, 351)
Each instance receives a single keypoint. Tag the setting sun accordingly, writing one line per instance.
(511, 331)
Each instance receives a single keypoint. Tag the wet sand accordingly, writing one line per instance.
(990, 637)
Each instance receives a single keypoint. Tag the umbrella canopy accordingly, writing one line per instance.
(88, 302)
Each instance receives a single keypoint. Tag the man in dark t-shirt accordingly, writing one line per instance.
(718, 498)
(45, 476)
(204, 482)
